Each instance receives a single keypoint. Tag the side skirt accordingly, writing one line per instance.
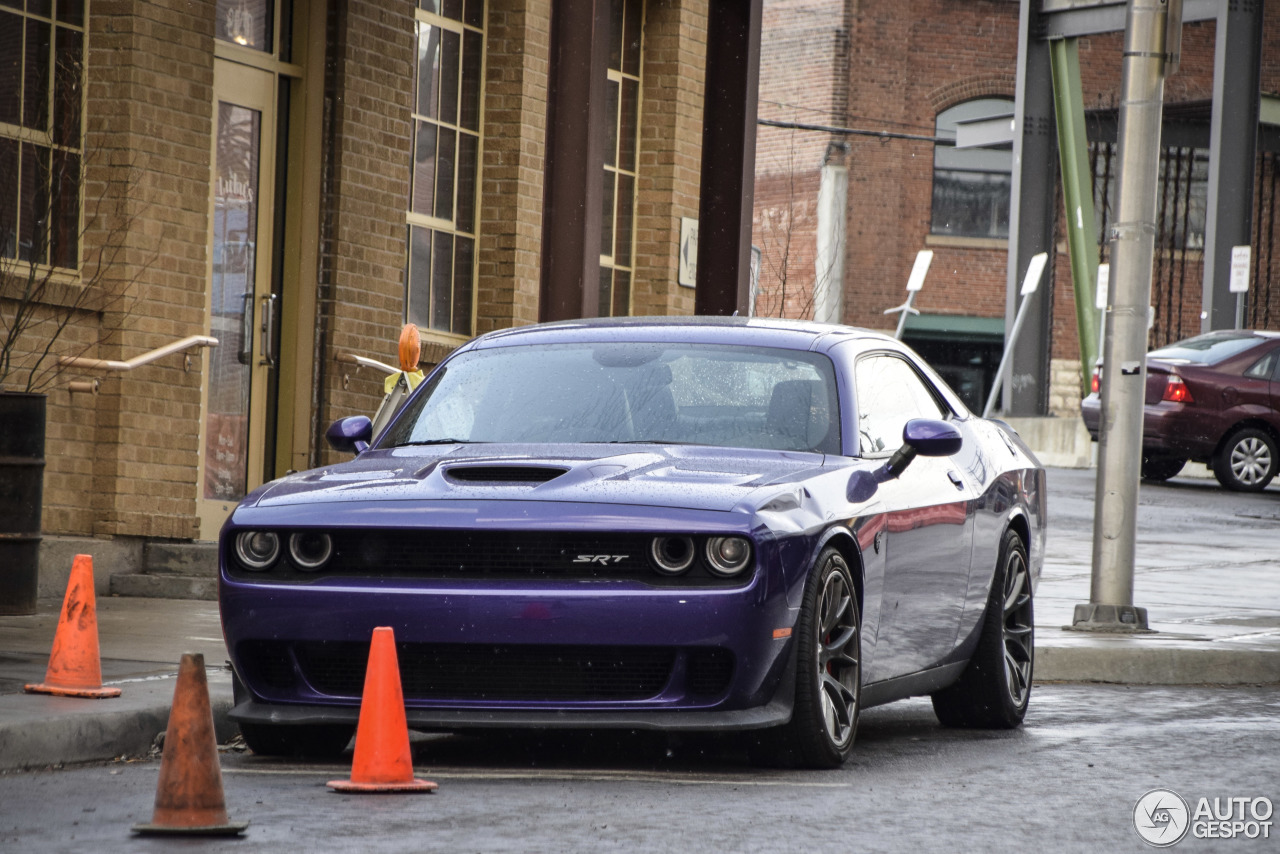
(912, 685)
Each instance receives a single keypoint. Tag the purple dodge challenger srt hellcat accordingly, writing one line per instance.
(685, 524)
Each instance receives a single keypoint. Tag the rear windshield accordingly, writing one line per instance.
(749, 397)
(1208, 349)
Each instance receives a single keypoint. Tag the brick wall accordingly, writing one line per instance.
(148, 131)
(673, 77)
(803, 78)
(363, 250)
(515, 118)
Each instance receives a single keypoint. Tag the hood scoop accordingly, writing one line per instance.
(503, 474)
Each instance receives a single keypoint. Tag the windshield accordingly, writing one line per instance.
(746, 397)
(1208, 349)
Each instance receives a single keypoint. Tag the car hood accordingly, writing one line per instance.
(692, 477)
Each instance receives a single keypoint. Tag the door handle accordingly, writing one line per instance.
(245, 356)
(269, 331)
(956, 479)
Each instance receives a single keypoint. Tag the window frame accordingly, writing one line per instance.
(431, 223)
(938, 169)
(614, 173)
(32, 141)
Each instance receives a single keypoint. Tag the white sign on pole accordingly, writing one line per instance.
(1034, 271)
(1239, 283)
(1104, 280)
(920, 269)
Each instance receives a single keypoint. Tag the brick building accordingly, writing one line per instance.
(297, 179)
(898, 69)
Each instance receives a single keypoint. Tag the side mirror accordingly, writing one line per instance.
(350, 435)
(920, 437)
(932, 438)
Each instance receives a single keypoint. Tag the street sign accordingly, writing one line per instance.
(1239, 282)
(1100, 292)
(920, 269)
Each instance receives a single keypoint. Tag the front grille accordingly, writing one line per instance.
(268, 663)
(710, 671)
(482, 555)
(489, 554)
(497, 673)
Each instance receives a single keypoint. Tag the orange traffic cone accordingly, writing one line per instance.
(189, 798)
(74, 668)
(382, 762)
(410, 348)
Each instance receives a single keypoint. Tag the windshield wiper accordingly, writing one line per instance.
(648, 442)
(438, 442)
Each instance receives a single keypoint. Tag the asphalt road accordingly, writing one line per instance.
(1067, 781)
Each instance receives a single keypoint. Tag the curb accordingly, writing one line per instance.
(38, 731)
(1127, 661)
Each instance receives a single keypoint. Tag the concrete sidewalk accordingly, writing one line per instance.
(1216, 611)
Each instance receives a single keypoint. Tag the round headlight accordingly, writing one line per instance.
(310, 550)
(671, 555)
(257, 550)
(728, 555)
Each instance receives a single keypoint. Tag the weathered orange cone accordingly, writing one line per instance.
(74, 668)
(410, 347)
(382, 762)
(189, 798)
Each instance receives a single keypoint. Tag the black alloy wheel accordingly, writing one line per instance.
(995, 689)
(828, 671)
(1247, 461)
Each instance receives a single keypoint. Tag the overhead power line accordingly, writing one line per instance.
(879, 134)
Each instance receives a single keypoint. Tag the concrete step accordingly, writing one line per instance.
(164, 586)
(172, 571)
(194, 559)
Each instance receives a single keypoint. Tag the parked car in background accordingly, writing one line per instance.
(697, 524)
(1214, 399)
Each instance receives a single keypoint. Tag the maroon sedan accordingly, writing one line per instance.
(1215, 399)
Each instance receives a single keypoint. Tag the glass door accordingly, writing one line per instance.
(241, 307)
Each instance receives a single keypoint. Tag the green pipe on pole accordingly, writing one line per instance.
(1077, 193)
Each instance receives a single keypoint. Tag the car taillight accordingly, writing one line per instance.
(1095, 382)
(1176, 390)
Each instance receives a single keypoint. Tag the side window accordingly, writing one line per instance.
(1263, 368)
(889, 393)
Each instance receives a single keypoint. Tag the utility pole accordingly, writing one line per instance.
(1147, 46)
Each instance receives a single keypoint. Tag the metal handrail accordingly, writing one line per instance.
(88, 364)
(362, 361)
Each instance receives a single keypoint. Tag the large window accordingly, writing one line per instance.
(622, 117)
(41, 92)
(971, 185)
(443, 214)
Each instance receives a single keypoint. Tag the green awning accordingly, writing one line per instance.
(954, 327)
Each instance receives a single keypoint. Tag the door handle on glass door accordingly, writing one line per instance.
(269, 331)
(245, 355)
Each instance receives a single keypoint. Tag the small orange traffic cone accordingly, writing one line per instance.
(189, 799)
(382, 762)
(74, 668)
(410, 348)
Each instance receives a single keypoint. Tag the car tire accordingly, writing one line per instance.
(1247, 461)
(1160, 468)
(307, 741)
(995, 689)
(828, 690)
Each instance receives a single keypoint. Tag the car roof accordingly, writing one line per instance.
(751, 331)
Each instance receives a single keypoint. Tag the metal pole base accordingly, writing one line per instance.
(1128, 619)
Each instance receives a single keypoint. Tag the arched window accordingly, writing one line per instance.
(971, 185)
